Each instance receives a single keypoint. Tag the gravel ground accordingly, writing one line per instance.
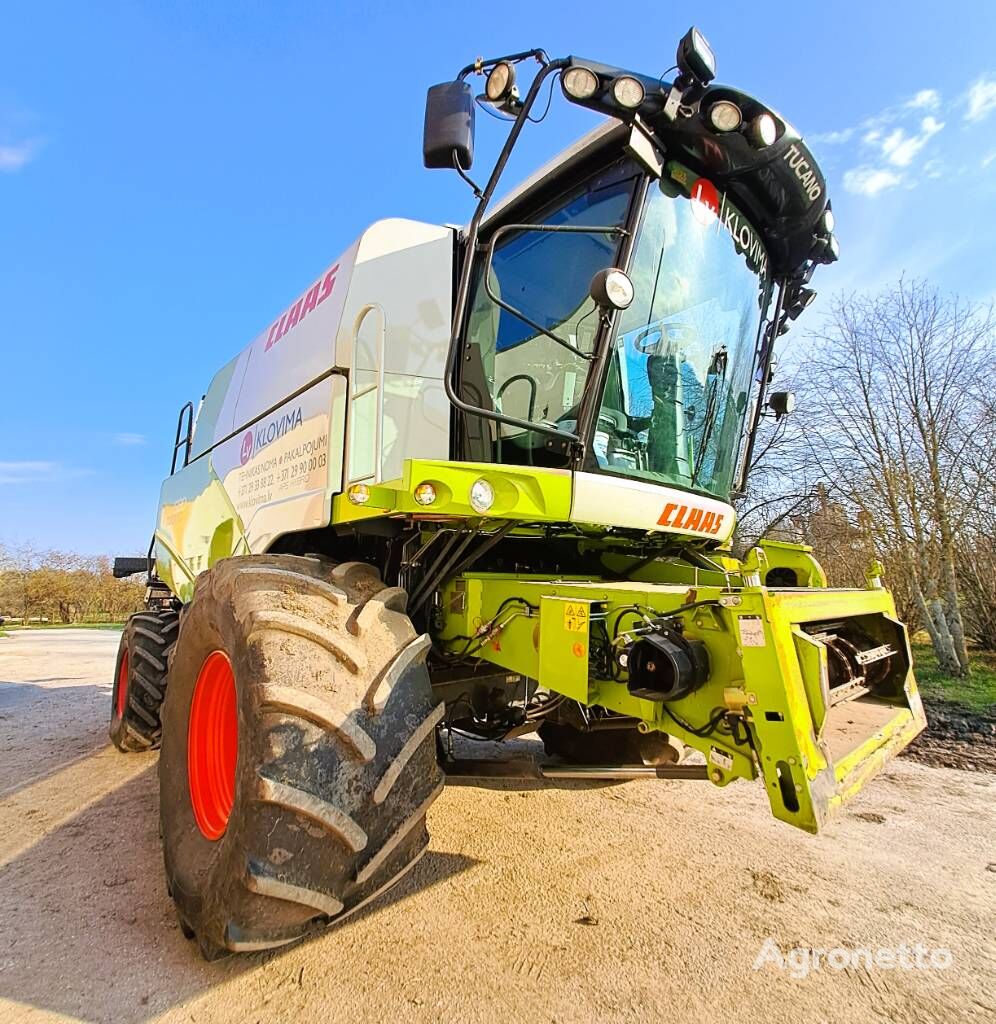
(643, 902)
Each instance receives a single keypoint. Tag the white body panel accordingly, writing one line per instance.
(601, 499)
(346, 382)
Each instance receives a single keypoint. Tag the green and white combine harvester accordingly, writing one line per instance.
(475, 484)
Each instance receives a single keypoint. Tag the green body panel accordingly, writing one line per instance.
(797, 557)
(763, 666)
(521, 492)
(810, 757)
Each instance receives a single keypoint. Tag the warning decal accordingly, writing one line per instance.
(751, 631)
(576, 617)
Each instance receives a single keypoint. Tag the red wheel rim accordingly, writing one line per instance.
(121, 697)
(212, 745)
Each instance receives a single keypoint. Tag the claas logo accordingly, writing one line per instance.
(312, 299)
(690, 518)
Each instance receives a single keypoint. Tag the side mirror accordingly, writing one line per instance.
(449, 126)
(781, 403)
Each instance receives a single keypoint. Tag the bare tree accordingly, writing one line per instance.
(896, 405)
(63, 587)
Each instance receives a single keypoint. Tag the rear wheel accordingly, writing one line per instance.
(140, 676)
(298, 758)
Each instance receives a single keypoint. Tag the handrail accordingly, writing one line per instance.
(183, 442)
(377, 386)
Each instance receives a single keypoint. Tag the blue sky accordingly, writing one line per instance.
(170, 174)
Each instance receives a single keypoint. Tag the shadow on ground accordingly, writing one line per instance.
(89, 931)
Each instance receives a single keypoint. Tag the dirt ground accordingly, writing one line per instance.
(648, 901)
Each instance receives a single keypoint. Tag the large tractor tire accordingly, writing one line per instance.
(299, 755)
(140, 674)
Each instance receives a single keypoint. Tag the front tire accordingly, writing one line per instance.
(298, 758)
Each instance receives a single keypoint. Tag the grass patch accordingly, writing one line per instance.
(978, 692)
(14, 626)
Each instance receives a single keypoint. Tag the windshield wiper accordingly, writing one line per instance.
(577, 229)
(717, 370)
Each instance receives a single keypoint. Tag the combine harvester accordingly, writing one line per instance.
(477, 483)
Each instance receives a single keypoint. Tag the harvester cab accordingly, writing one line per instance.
(476, 485)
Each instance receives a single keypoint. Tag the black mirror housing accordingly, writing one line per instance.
(449, 126)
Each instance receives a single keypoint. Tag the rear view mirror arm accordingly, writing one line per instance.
(470, 247)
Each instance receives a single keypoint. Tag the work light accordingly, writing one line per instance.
(763, 130)
(628, 92)
(611, 289)
(725, 116)
(579, 83)
(695, 57)
(500, 82)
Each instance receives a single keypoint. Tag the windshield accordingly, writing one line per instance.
(511, 367)
(683, 357)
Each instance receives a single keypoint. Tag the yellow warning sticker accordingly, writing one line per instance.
(576, 617)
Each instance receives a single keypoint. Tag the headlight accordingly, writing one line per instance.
(425, 493)
(579, 83)
(358, 494)
(628, 92)
(482, 495)
(763, 130)
(500, 82)
(828, 220)
(725, 116)
(611, 289)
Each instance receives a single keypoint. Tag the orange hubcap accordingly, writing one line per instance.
(121, 698)
(212, 745)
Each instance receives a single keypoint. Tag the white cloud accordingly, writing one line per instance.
(900, 149)
(833, 138)
(27, 472)
(37, 472)
(15, 155)
(128, 439)
(989, 158)
(981, 99)
(925, 99)
(869, 181)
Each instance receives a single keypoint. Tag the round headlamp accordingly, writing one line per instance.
(579, 83)
(611, 289)
(500, 82)
(828, 220)
(763, 130)
(725, 116)
(482, 495)
(628, 92)
(358, 494)
(425, 493)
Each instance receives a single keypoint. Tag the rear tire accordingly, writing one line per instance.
(321, 805)
(140, 676)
